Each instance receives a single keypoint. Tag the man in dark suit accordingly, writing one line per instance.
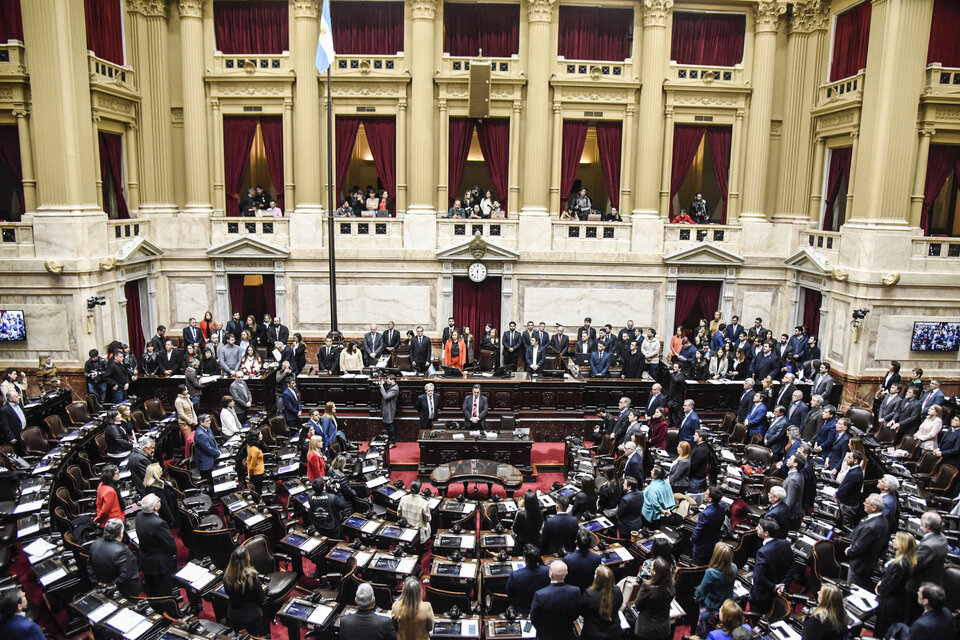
(634, 466)
(328, 358)
(889, 409)
(799, 345)
(536, 355)
(910, 416)
(599, 362)
(170, 360)
(931, 554)
(778, 511)
(556, 606)
(560, 341)
(785, 395)
(690, 422)
(828, 430)
(936, 623)
(949, 449)
(475, 409)
(867, 541)
(797, 410)
(586, 328)
(632, 361)
(542, 336)
(277, 332)
(746, 400)
(823, 382)
(773, 562)
(220, 334)
(139, 459)
(372, 345)
(757, 418)
(158, 340)
(851, 489)
(234, 326)
(793, 485)
(366, 623)
(191, 334)
(582, 563)
(814, 420)
(931, 396)
(158, 549)
(775, 438)
(630, 509)
(559, 530)
(426, 406)
(420, 351)
(391, 339)
(291, 406)
(834, 454)
(527, 580)
(111, 562)
(657, 400)
(622, 420)
(709, 524)
(889, 488)
(764, 364)
(512, 347)
(450, 328)
(12, 420)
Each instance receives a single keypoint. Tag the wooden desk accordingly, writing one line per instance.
(485, 471)
(439, 447)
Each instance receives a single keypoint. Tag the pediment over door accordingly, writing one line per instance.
(703, 254)
(248, 247)
(136, 251)
(810, 261)
(478, 248)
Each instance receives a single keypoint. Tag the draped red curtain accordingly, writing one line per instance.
(251, 26)
(468, 28)
(944, 43)
(270, 293)
(461, 134)
(850, 39)
(272, 129)
(686, 141)
(494, 137)
(11, 22)
(367, 28)
(942, 161)
(131, 291)
(346, 135)
(10, 158)
(382, 138)
(475, 304)
(839, 174)
(235, 284)
(574, 137)
(594, 33)
(812, 299)
(609, 136)
(238, 134)
(708, 38)
(719, 139)
(104, 23)
(111, 165)
(693, 296)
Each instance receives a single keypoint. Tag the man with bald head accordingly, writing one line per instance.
(556, 606)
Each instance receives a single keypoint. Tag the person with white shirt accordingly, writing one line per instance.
(229, 422)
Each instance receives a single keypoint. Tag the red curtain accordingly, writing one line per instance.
(574, 136)
(708, 38)
(382, 138)
(11, 22)
(850, 39)
(111, 166)
(468, 28)
(235, 283)
(251, 26)
(942, 161)
(494, 137)
(944, 44)
(131, 291)
(686, 141)
(104, 29)
(594, 33)
(272, 129)
(238, 134)
(719, 139)
(270, 293)
(346, 137)
(608, 143)
(367, 28)
(475, 304)
(812, 299)
(839, 175)
(461, 134)
(10, 158)
(693, 296)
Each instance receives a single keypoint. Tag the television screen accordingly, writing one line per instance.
(12, 328)
(935, 336)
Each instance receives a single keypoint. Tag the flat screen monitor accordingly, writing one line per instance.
(12, 327)
(935, 336)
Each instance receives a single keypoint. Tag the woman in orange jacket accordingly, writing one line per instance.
(455, 351)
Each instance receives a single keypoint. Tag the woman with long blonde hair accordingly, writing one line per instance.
(413, 616)
(241, 582)
(829, 620)
(316, 464)
(892, 587)
(600, 606)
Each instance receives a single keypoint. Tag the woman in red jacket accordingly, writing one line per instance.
(316, 465)
(658, 430)
(455, 351)
(109, 501)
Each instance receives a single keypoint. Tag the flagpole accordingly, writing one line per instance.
(332, 269)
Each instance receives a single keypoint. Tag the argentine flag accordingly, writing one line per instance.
(325, 53)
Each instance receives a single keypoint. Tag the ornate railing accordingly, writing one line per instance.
(16, 240)
(677, 236)
(109, 73)
(603, 236)
(847, 89)
(252, 63)
(942, 80)
(705, 74)
(451, 230)
(936, 248)
(593, 69)
(457, 65)
(273, 230)
(11, 58)
(820, 240)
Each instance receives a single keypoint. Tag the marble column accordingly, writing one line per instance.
(919, 176)
(147, 50)
(308, 154)
(556, 151)
(648, 199)
(666, 164)
(735, 181)
(852, 180)
(130, 147)
(443, 158)
(26, 160)
(896, 59)
(767, 19)
(196, 149)
(627, 186)
(541, 52)
(289, 191)
(816, 181)
(513, 170)
(98, 180)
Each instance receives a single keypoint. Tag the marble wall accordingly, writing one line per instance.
(569, 303)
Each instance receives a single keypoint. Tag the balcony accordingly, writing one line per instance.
(705, 75)
(452, 230)
(459, 66)
(942, 81)
(827, 242)
(681, 236)
(369, 233)
(11, 60)
(119, 232)
(597, 70)
(273, 230)
(111, 76)
(844, 92)
(16, 240)
(370, 66)
(603, 237)
(943, 249)
(276, 65)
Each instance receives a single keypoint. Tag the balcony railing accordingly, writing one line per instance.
(11, 58)
(121, 231)
(593, 236)
(451, 230)
(16, 240)
(369, 232)
(847, 90)
(277, 64)
(705, 74)
(821, 240)
(103, 72)
(678, 236)
(942, 80)
(273, 230)
(372, 65)
(936, 248)
(594, 69)
(499, 67)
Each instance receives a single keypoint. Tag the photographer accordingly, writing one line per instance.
(94, 371)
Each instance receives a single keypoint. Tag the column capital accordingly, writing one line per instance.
(423, 9)
(517, 106)
(767, 15)
(926, 132)
(655, 12)
(540, 10)
(305, 8)
(130, 126)
(191, 8)
(854, 135)
(288, 103)
(148, 8)
(20, 113)
(810, 16)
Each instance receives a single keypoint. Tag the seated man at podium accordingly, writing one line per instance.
(475, 409)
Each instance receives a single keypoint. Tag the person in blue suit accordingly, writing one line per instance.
(949, 448)
(205, 449)
(851, 489)
(733, 330)
(778, 510)
(291, 406)
(556, 606)
(775, 438)
(527, 580)
(774, 560)
(582, 563)
(798, 410)
(936, 623)
(536, 354)
(690, 422)
(828, 432)
(630, 509)
(709, 524)
(599, 362)
(931, 396)
(13, 622)
(559, 530)
(717, 339)
(757, 418)
(798, 344)
(766, 363)
(634, 464)
(833, 455)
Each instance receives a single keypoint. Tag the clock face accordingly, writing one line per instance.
(477, 272)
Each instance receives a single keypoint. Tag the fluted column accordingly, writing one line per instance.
(513, 169)
(305, 172)
(666, 164)
(443, 161)
(98, 176)
(26, 160)
(648, 200)
(852, 180)
(899, 33)
(537, 130)
(556, 151)
(195, 150)
(421, 149)
(133, 167)
(289, 194)
(767, 14)
(816, 183)
(919, 176)
(806, 52)
(148, 54)
(627, 187)
(735, 188)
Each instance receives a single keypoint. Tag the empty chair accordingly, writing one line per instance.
(860, 418)
(753, 453)
(216, 544)
(77, 412)
(926, 466)
(140, 421)
(443, 600)
(269, 441)
(154, 409)
(93, 403)
(687, 581)
(55, 427)
(747, 548)
(279, 427)
(34, 444)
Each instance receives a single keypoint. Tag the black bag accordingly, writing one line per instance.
(84, 529)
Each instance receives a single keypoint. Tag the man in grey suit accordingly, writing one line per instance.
(823, 382)
(868, 541)
(931, 556)
(240, 392)
(389, 391)
(889, 409)
(814, 420)
(793, 485)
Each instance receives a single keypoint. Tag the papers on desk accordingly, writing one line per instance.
(220, 471)
(370, 526)
(491, 435)
(458, 436)
(727, 456)
(622, 552)
(320, 614)
(53, 576)
(433, 502)
(546, 501)
(230, 485)
(829, 490)
(376, 482)
(30, 529)
(101, 612)
(509, 507)
(310, 545)
(739, 590)
(862, 599)
(208, 379)
(28, 507)
(363, 558)
(39, 548)
(784, 631)
(195, 575)
(468, 569)
(676, 611)
(470, 628)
